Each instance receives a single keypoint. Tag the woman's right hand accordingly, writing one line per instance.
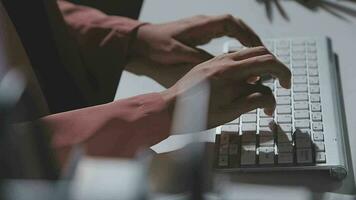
(231, 91)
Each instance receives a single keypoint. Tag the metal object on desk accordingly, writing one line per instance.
(25, 148)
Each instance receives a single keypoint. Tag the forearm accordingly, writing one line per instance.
(103, 42)
(116, 129)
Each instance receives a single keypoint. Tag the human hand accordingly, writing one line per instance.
(175, 42)
(231, 91)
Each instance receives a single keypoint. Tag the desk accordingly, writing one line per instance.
(303, 22)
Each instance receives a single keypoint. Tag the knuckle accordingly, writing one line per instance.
(239, 20)
(228, 17)
(222, 56)
(262, 49)
(269, 58)
(170, 47)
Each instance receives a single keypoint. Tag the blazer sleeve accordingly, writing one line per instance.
(116, 129)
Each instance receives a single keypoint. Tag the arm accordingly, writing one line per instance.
(116, 129)
(122, 127)
(98, 34)
(103, 43)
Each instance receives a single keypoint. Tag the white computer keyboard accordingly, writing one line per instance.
(305, 131)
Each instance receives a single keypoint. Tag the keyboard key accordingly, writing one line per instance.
(301, 114)
(312, 64)
(266, 121)
(319, 146)
(283, 92)
(285, 147)
(266, 138)
(284, 119)
(230, 128)
(298, 48)
(298, 56)
(283, 100)
(300, 124)
(318, 136)
(248, 155)
(299, 79)
(285, 158)
(300, 97)
(269, 44)
(313, 72)
(313, 80)
(224, 138)
(316, 116)
(249, 118)
(311, 45)
(266, 155)
(224, 148)
(317, 126)
(316, 107)
(300, 88)
(320, 157)
(302, 133)
(304, 156)
(303, 105)
(315, 98)
(298, 42)
(248, 127)
(314, 89)
(223, 160)
(299, 64)
(312, 56)
(233, 149)
(302, 139)
(299, 72)
(284, 128)
(303, 143)
(284, 109)
(285, 137)
(248, 137)
(283, 44)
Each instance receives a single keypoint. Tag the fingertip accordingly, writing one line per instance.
(288, 84)
(269, 111)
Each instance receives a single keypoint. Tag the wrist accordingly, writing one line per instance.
(137, 44)
(169, 96)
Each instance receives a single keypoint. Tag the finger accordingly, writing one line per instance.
(262, 97)
(253, 79)
(246, 35)
(258, 66)
(250, 98)
(249, 52)
(201, 30)
(227, 25)
(246, 89)
(187, 54)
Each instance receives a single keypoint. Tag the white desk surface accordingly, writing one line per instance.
(303, 22)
